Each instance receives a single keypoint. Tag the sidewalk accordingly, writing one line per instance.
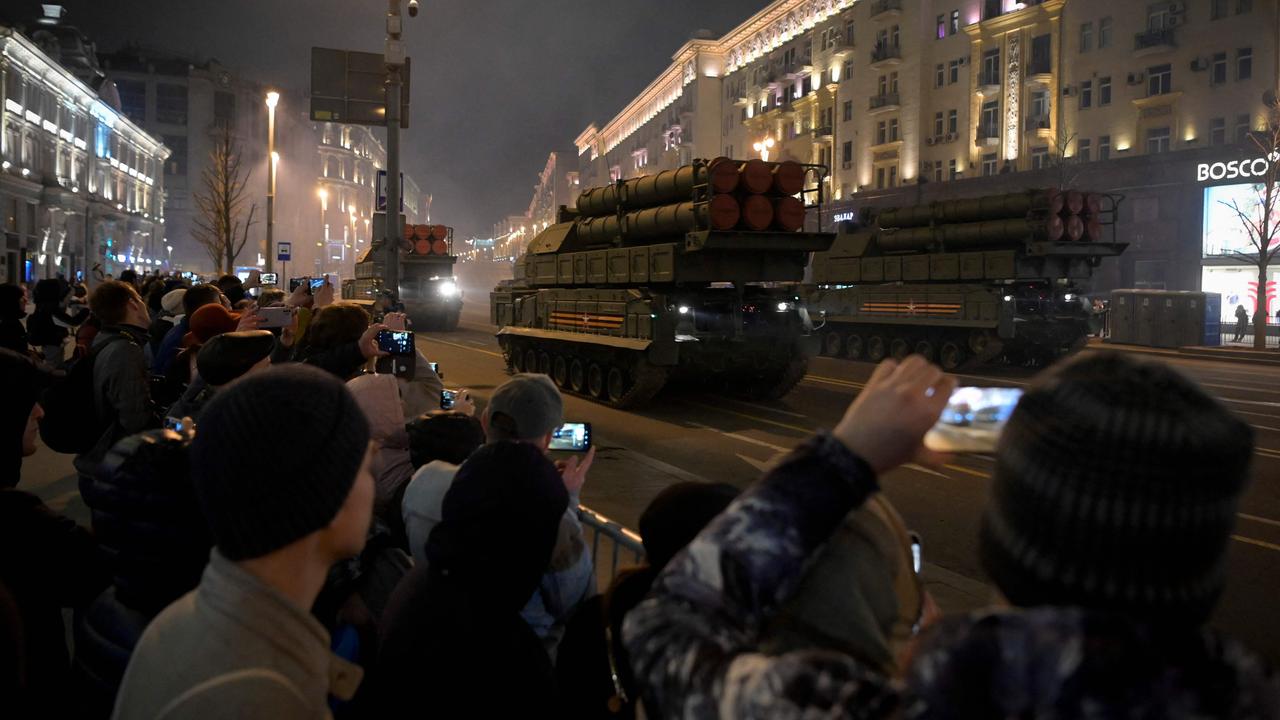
(1238, 354)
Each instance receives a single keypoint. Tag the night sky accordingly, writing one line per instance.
(497, 83)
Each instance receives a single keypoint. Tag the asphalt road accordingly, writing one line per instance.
(684, 433)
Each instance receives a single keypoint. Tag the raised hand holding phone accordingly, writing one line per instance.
(887, 421)
(574, 473)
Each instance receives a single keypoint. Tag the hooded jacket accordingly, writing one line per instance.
(121, 392)
(379, 397)
(453, 643)
(49, 324)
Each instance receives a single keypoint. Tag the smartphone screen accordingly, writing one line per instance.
(447, 398)
(573, 437)
(973, 419)
(316, 284)
(275, 317)
(435, 368)
(396, 342)
(295, 282)
(269, 278)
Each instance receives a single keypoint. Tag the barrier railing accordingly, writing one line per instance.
(1245, 338)
(619, 539)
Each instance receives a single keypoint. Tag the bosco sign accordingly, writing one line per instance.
(1233, 169)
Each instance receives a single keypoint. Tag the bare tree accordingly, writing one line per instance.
(220, 202)
(1260, 217)
(1066, 167)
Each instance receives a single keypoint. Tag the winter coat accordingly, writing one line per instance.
(122, 393)
(47, 562)
(693, 642)
(21, 381)
(1070, 663)
(169, 347)
(49, 324)
(379, 397)
(13, 334)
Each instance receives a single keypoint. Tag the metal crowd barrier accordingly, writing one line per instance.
(620, 538)
(1229, 327)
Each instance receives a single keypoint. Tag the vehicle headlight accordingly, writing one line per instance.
(785, 306)
(447, 289)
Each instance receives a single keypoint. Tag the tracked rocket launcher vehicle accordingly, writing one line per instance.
(689, 272)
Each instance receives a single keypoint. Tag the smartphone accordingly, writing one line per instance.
(435, 368)
(973, 419)
(174, 424)
(917, 553)
(269, 278)
(396, 342)
(275, 317)
(317, 283)
(447, 399)
(572, 437)
(295, 282)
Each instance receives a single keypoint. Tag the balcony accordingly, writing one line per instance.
(1154, 41)
(886, 9)
(1040, 70)
(1038, 123)
(885, 55)
(988, 135)
(883, 102)
(989, 83)
(822, 133)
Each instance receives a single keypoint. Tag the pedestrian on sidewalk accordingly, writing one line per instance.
(1242, 323)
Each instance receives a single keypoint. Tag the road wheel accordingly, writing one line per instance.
(595, 380)
(951, 357)
(517, 358)
(899, 349)
(544, 362)
(832, 344)
(925, 349)
(560, 371)
(616, 384)
(854, 347)
(530, 361)
(577, 376)
(876, 349)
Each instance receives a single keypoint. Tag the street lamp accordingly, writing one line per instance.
(763, 148)
(273, 97)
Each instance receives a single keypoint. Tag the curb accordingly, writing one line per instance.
(1197, 353)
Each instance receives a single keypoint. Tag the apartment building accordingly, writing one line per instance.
(81, 185)
(910, 100)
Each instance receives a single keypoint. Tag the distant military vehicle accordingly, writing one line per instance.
(427, 288)
(686, 272)
(964, 281)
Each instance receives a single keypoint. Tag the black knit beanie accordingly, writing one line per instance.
(274, 457)
(1115, 488)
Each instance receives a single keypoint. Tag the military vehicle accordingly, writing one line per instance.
(427, 288)
(964, 281)
(684, 273)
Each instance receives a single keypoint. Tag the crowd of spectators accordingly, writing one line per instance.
(281, 528)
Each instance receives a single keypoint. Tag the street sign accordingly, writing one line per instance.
(283, 251)
(382, 192)
(348, 86)
(380, 225)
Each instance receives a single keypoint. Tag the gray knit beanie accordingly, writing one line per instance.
(274, 457)
(1115, 488)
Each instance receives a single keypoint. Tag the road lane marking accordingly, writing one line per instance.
(743, 438)
(797, 428)
(1259, 543)
(1264, 403)
(766, 408)
(760, 465)
(1268, 453)
(1241, 389)
(1255, 518)
(462, 347)
(968, 471)
(835, 381)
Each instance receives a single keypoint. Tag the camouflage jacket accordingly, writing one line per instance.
(693, 641)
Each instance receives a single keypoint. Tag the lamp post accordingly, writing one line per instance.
(763, 147)
(273, 97)
(323, 194)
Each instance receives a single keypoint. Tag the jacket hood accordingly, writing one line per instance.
(379, 397)
(500, 521)
(1069, 662)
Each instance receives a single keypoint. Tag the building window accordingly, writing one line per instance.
(1086, 94)
(988, 164)
(1041, 51)
(937, 124)
(1104, 33)
(1104, 91)
(1217, 9)
(1039, 158)
(1104, 147)
(990, 126)
(1158, 17)
(952, 121)
(955, 21)
(942, 27)
(1244, 63)
(893, 176)
(937, 171)
(1159, 80)
(894, 38)
(1243, 128)
(1083, 148)
(991, 67)
(847, 73)
(893, 129)
(848, 32)
(1244, 6)
(177, 162)
(882, 133)
(879, 178)
(1158, 140)
(940, 75)
(224, 108)
(133, 99)
(953, 72)
(846, 154)
(848, 110)
(171, 103)
(893, 82)
(951, 169)
(1218, 131)
(1040, 106)
(1086, 36)
(1218, 69)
